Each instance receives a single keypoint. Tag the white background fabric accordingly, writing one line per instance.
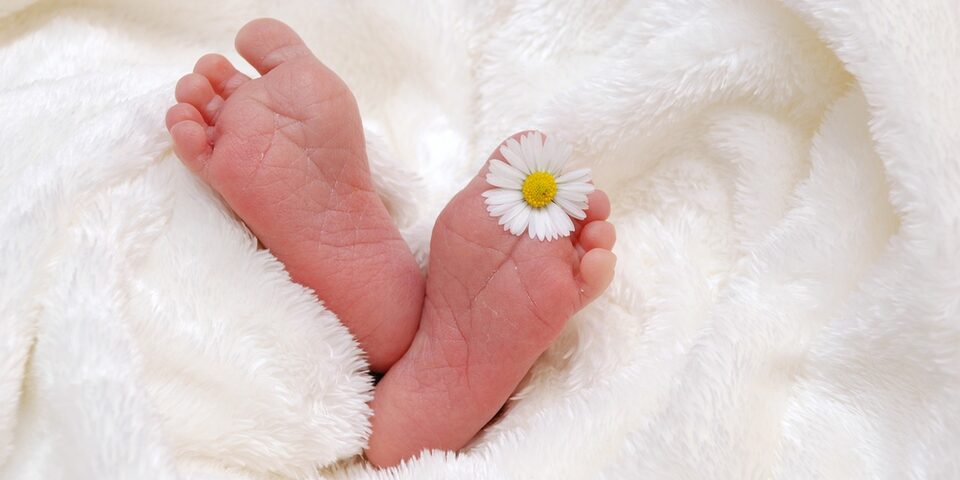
(785, 183)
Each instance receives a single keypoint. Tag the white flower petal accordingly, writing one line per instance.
(530, 227)
(545, 224)
(504, 182)
(503, 208)
(574, 197)
(561, 221)
(549, 153)
(579, 175)
(526, 148)
(536, 147)
(553, 228)
(563, 156)
(513, 152)
(493, 192)
(533, 226)
(515, 210)
(505, 170)
(572, 208)
(519, 223)
(498, 196)
(556, 155)
(579, 187)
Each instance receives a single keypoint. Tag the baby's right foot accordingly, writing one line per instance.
(286, 151)
(494, 303)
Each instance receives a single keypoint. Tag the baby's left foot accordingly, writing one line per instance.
(494, 303)
(286, 151)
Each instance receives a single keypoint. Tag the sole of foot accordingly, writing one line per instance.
(286, 152)
(494, 303)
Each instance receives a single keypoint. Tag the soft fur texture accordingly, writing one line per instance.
(785, 182)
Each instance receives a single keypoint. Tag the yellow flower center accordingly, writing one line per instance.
(539, 189)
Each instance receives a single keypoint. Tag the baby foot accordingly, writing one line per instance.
(286, 151)
(494, 303)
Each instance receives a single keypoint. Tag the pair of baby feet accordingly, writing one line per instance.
(286, 151)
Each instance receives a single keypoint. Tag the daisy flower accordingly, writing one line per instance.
(532, 191)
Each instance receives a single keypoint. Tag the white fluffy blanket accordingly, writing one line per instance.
(785, 181)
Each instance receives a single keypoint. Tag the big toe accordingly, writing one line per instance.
(267, 42)
(190, 143)
(222, 75)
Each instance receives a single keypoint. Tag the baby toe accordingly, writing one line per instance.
(190, 143)
(266, 43)
(598, 206)
(196, 90)
(222, 75)
(598, 234)
(596, 272)
(183, 112)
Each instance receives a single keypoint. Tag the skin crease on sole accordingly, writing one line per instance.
(286, 151)
(495, 302)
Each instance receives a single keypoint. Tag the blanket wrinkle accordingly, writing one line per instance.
(785, 186)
